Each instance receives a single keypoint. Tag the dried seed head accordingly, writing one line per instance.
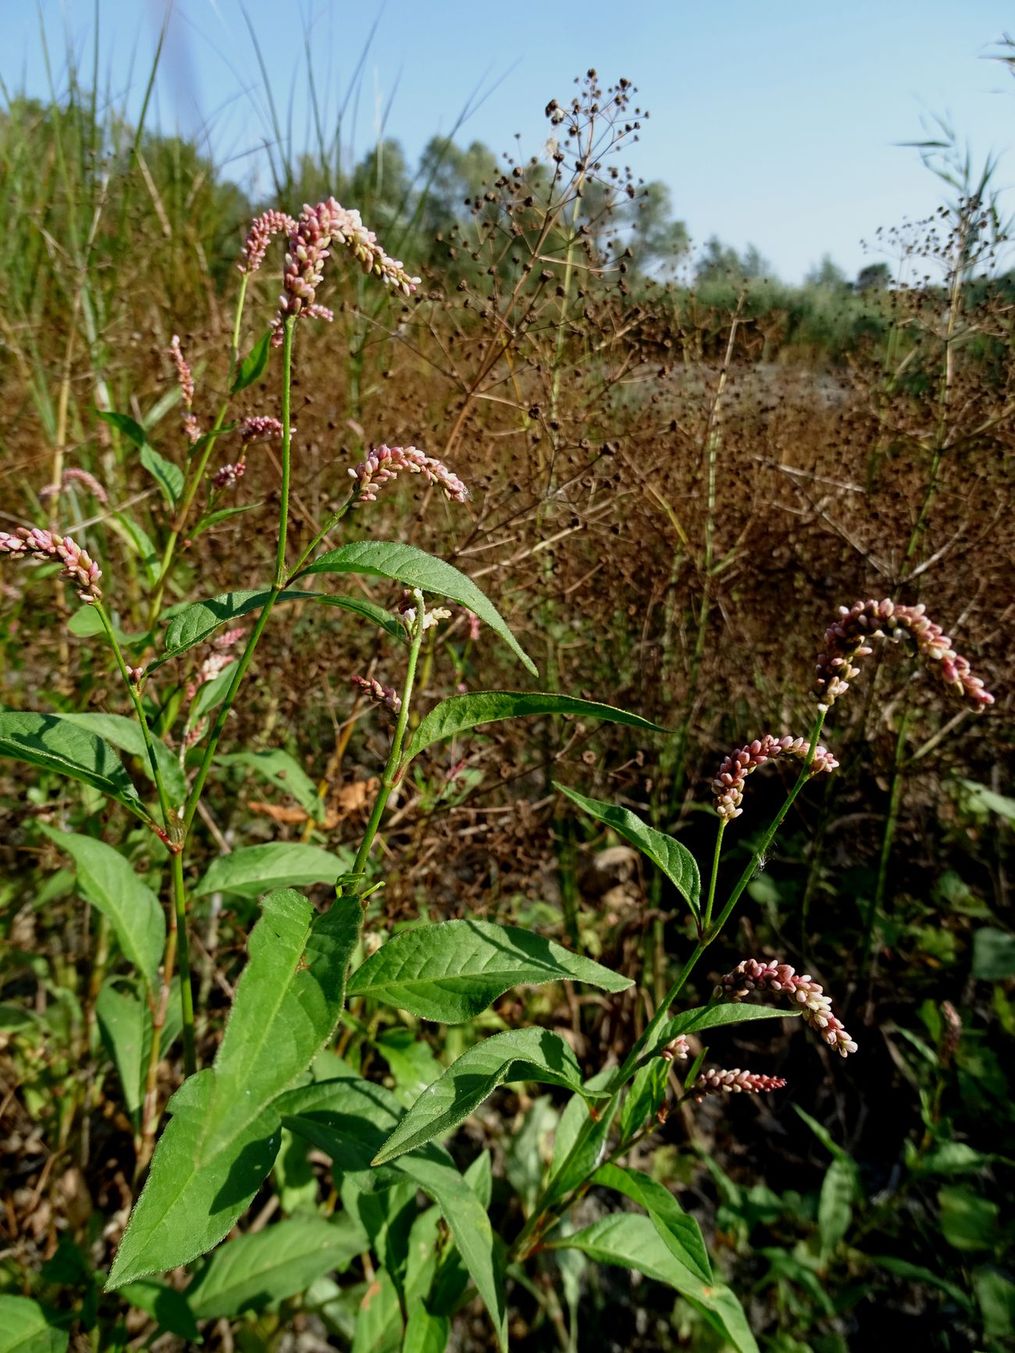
(800, 990)
(848, 638)
(728, 785)
(78, 567)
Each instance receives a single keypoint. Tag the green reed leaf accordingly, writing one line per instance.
(253, 870)
(225, 1127)
(349, 1119)
(252, 366)
(53, 743)
(111, 886)
(634, 1242)
(415, 568)
(451, 971)
(519, 1055)
(460, 712)
(665, 852)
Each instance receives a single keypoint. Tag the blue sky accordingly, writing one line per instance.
(773, 122)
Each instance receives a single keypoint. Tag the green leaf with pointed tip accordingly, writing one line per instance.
(252, 1271)
(168, 476)
(217, 518)
(451, 971)
(130, 429)
(460, 712)
(126, 734)
(252, 366)
(138, 540)
(25, 1328)
(282, 770)
(112, 887)
(349, 1120)
(416, 568)
(253, 870)
(195, 623)
(713, 1017)
(632, 1242)
(680, 1233)
(665, 852)
(519, 1055)
(50, 742)
(225, 1127)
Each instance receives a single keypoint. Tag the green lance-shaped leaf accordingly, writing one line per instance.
(52, 743)
(253, 870)
(26, 1328)
(282, 770)
(713, 1017)
(680, 1233)
(633, 1242)
(126, 734)
(168, 476)
(666, 853)
(112, 887)
(125, 425)
(254, 1270)
(520, 1055)
(451, 971)
(252, 366)
(416, 568)
(349, 1120)
(460, 712)
(197, 622)
(225, 1127)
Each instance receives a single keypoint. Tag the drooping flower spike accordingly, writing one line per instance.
(728, 785)
(78, 567)
(779, 979)
(383, 695)
(310, 245)
(385, 462)
(259, 236)
(849, 638)
(76, 476)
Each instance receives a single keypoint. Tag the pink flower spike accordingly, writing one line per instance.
(728, 785)
(735, 1082)
(261, 428)
(78, 567)
(259, 236)
(184, 375)
(227, 476)
(385, 462)
(779, 979)
(849, 638)
(383, 695)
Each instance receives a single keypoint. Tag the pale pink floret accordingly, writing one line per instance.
(713, 1081)
(728, 785)
(185, 380)
(261, 428)
(801, 990)
(385, 462)
(259, 236)
(848, 639)
(227, 476)
(78, 567)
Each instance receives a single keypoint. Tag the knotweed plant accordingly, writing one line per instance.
(272, 1084)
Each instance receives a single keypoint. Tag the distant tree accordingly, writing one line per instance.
(827, 274)
(720, 262)
(873, 277)
(657, 241)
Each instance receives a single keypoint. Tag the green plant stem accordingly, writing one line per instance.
(538, 1222)
(392, 768)
(877, 902)
(197, 471)
(283, 515)
(710, 902)
(183, 955)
